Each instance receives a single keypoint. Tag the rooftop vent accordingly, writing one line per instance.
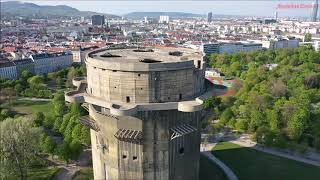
(143, 50)
(175, 53)
(146, 60)
(109, 55)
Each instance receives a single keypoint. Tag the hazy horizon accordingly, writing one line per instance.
(243, 8)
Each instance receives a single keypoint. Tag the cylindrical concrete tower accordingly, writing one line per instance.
(144, 112)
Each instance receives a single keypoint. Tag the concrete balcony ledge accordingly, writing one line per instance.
(74, 97)
(127, 109)
(78, 81)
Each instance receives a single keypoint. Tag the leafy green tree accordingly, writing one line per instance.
(57, 124)
(273, 119)
(297, 124)
(241, 125)
(75, 148)
(226, 116)
(38, 119)
(71, 124)
(36, 82)
(72, 73)
(307, 37)
(49, 145)
(65, 122)
(48, 122)
(64, 152)
(19, 147)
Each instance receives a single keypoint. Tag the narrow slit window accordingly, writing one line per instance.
(199, 64)
(181, 151)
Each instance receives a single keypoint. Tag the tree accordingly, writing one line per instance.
(65, 122)
(64, 151)
(48, 122)
(18, 88)
(71, 74)
(241, 125)
(273, 119)
(58, 104)
(278, 88)
(76, 109)
(307, 37)
(57, 124)
(75, 148)
(226, 116)
(25, 74)
(36, 82)
(297, 124)
(19, 146)
(76, 132)
(49, 145)
(71, 124)
(85, 135)
(38, 119)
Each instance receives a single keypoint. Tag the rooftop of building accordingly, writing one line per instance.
(147, 55)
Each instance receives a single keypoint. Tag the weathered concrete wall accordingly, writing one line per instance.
(157, 157)
(165, 150)
(138, 87)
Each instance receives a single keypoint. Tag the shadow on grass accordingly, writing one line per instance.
(250, 164)
(209, 170)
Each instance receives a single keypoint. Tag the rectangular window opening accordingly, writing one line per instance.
(134, 158)
(128, 99)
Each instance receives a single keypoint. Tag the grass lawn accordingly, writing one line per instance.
(26, 107)
(84, 174)
(250, 164)
(209, 170)
(43, 173)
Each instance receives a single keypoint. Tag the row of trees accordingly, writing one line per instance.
(30, 85)
(277, 106)
(66, 125)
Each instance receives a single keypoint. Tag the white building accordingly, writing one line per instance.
(276, 43)
(46, 63)
(164, 19)
(229, 48)
(8, 70)
(61, 60)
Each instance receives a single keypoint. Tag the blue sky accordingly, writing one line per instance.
(253, 7)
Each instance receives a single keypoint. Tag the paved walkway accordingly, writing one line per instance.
(34, 99)
(245, 141)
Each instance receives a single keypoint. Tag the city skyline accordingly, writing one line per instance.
(243, 8)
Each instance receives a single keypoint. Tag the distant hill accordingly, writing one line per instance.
(157, 14)
(31, 9)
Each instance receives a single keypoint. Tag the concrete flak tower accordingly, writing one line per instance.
(145, 107)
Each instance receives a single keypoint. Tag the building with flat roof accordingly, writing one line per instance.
(230, 48)
(145, 108)
(97, 20)
(8, 70)
(24, 64)
(209, 17)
